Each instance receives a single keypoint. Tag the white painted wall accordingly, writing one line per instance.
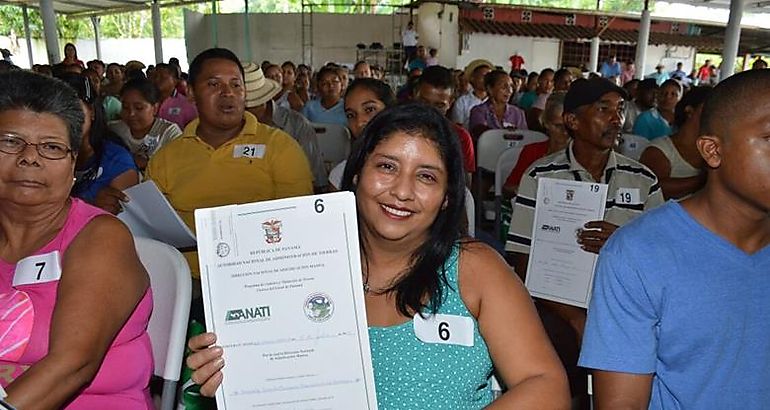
(437, 27)
(669, 56)
(117, 50)
(545, 54)
(538, 53)
(278, 37)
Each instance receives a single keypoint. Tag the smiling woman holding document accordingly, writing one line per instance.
(442, 309)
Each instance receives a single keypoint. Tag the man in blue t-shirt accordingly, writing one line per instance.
(610, 69)
(680, 308)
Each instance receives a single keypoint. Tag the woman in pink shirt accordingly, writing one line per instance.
(74, 298)
(628, 72)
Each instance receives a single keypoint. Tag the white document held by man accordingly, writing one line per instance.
(149, 215)
(558, 269)
(282, 290)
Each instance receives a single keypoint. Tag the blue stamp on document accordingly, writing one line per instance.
(319, 307)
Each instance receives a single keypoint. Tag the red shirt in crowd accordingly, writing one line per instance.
(529, 154)
(516, 62)
(466, 143)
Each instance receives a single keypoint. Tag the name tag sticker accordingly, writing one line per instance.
(38, 269)
(627, 196)
(249, 151)
(444, 329)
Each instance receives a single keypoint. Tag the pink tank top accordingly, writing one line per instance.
(27, 301)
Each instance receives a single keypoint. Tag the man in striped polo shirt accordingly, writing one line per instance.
(593, 116)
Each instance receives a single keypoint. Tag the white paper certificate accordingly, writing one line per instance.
(282, 290)
(558, 269)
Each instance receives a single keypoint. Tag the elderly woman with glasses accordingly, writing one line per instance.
(73, 312)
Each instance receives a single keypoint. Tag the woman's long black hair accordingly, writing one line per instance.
(426, 273)
(98, 134)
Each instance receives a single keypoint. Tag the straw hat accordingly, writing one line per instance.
(134, 65)
(476, 64)
(259, 89)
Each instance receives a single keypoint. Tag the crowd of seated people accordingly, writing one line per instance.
(97, 129)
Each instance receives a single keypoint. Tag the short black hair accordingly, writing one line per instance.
(97, 62)
(136, 74)
(25, 90)
(360, 63)
(630, 83)
(732, 99)
(289, 64)
(144, 87)
(562, 72)
(693, 98)
(547, 71)
(493, 77)
(174, 70)
(81, 84)
(437, 76)
(647, 84)
(673, 83)
(327, 70)
(383, 91)
(211, 54)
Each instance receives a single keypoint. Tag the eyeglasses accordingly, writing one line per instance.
(14, 144)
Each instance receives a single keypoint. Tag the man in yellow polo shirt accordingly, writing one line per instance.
(226, 156)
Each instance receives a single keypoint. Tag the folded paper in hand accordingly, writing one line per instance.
(149, 215)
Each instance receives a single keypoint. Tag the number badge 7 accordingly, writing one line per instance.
(38, 269)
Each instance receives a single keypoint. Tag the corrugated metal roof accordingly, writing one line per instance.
(579, 33)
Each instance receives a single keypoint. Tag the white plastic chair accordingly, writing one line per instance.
(632, 145)
(492, 143)
(334, 143)
(470, 213)
(171, 292)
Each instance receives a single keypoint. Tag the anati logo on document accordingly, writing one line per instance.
(253, 314)
(551, 228)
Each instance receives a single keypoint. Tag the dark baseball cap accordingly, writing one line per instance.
(585, 92)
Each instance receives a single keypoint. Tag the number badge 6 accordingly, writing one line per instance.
(444, 329)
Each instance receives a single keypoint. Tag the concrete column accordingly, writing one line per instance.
(157, 32)
(247, 30)
(641, 43)
(593, 62)
(732, 38)
(214, 28)
(27, 34)
(49, 29)
(97, 36)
